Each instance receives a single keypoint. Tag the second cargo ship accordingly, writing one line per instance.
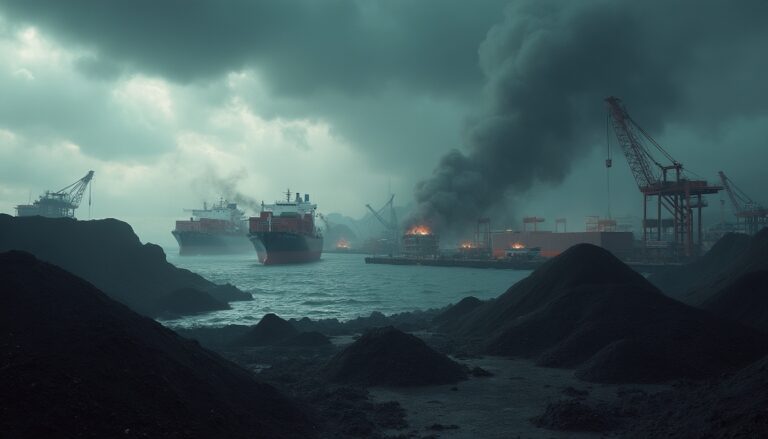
(222, 229)
(285, 232)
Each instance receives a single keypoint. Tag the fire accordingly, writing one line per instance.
(419, 230)
(517, 245)
(467, 244)
(342, 244)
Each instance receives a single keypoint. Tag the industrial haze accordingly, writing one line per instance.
(492, 107)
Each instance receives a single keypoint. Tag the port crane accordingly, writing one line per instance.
(59, 204)
(390, 225)
(755, 216)
(664, 180)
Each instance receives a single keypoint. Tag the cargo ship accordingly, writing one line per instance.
(285, 232)
(222, 229)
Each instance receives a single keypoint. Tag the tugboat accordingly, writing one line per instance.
(222, 229)
(285, 232)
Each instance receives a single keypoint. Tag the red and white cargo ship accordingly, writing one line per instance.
(285, 232)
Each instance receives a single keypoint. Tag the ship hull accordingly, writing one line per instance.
(277, 248)
(204, 243)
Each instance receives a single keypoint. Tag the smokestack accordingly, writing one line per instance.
(306, 198)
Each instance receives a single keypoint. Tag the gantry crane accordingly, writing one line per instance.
(754, 215)
(390, 225)
(663, 179)
(59, 204)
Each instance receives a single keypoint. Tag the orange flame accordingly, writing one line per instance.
(419, 230)
(517, 245)
(467, 244)
(342, 244)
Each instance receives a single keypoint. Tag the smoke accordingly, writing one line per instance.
(549, 65)
(227, 187)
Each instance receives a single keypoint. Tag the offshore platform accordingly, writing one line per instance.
(59, 204)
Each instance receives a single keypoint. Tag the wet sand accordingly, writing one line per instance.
(499, 406)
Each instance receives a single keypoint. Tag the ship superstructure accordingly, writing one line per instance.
(285, 232)
(220, 229)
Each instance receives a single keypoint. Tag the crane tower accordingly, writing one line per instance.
(664, 183)
(59, 204)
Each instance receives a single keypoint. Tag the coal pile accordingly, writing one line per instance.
(586, 309)
(389, 357)
(731, 258)
(745, 300)
(683, 282)
(735, 407)
(454, 313)
(108, 254)
(574, 415)
(270, 330)
(76, 363)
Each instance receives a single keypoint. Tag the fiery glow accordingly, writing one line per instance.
(467, 244)
(517, 245)
(342, 244)
(419, 230)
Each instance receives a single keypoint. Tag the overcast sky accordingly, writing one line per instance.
(458, 105)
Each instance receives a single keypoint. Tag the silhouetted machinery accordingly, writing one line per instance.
(755, 216)
(59, 204)
(663, 181)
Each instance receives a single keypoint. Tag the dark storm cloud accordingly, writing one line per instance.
(303, 46)
(383, 75)
(550, 64)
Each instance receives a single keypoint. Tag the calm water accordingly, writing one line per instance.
(340, 286)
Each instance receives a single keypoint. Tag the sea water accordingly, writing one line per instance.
(338, 286)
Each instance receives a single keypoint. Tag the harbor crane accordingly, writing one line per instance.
(390, 225)
(754, 215)
(59, 204)
(664, 180)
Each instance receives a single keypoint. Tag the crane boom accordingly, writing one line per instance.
(675, 193)
(740, 201)
(74, 192)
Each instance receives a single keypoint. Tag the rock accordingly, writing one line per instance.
(108, 254)
(270, 330)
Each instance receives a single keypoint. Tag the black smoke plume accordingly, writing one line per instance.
(549, 65)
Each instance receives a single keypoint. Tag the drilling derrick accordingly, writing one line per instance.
(59, 204)
(664, 183)
(755, 216)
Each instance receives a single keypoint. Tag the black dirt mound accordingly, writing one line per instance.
(109, 255)
(701, 280)
(389, 357)
(188, 301)
(307, 339)
(735, 407)
(586, 308)
(75, 363)
(270, 330)
(683, 282)
(745, 300)
(573, 415)
(455, 312)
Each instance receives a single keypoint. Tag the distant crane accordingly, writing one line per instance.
(755, 216)
(674, 192)
(390, 225)
(59, 204)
